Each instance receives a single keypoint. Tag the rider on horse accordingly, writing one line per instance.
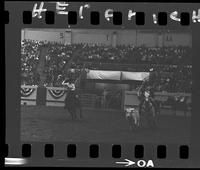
(70, 87)
(72, 100)
(146, 91)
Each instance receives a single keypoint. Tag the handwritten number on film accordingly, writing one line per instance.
(61, 9)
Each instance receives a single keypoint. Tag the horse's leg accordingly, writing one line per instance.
(153, 117)
(141, 119)
(158, 108)
(68, 110)
(75, 115)
(139, 122)
(129, 123)
(80, 111)
(148, 120)
(154, 122)
(71, 113)
(75, 112)
(132, 123)
(151, 112)
(72, 116)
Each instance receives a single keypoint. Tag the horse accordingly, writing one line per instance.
(133, 118)
(157, 106)
(72, 103)
(148, 111)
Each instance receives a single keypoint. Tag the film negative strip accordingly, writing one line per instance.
(102, 84)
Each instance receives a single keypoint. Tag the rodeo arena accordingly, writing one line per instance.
(96, 85)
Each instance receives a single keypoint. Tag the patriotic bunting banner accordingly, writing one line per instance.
(28, 92)
(56, 94)
(28, 95)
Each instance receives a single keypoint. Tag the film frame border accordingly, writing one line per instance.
(195, 47)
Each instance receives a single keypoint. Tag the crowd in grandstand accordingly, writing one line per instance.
(29, 62)
(138, 55)
(172, 65)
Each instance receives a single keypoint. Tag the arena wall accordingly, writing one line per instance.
(126, 37)
(176, 39)
(148, 38)
(44, 35)
(91, 38)
(55, 96)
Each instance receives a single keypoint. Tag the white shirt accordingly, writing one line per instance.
(70, 86)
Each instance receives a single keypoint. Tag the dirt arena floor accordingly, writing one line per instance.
(54, 124)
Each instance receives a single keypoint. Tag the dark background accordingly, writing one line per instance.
(12, 58)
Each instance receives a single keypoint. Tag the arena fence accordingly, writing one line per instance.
(51, 96)
(55, 96)
(130, 98)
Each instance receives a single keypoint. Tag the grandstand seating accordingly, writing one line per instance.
(173, 64)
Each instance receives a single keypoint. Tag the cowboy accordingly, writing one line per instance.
(70, 85)
(146, 91)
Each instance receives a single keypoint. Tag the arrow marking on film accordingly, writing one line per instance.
(128, 163)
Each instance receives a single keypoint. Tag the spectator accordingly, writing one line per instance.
(172, 64)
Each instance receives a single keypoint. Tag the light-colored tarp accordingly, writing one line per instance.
(104, 75)
(117, 75)
(139, 76)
